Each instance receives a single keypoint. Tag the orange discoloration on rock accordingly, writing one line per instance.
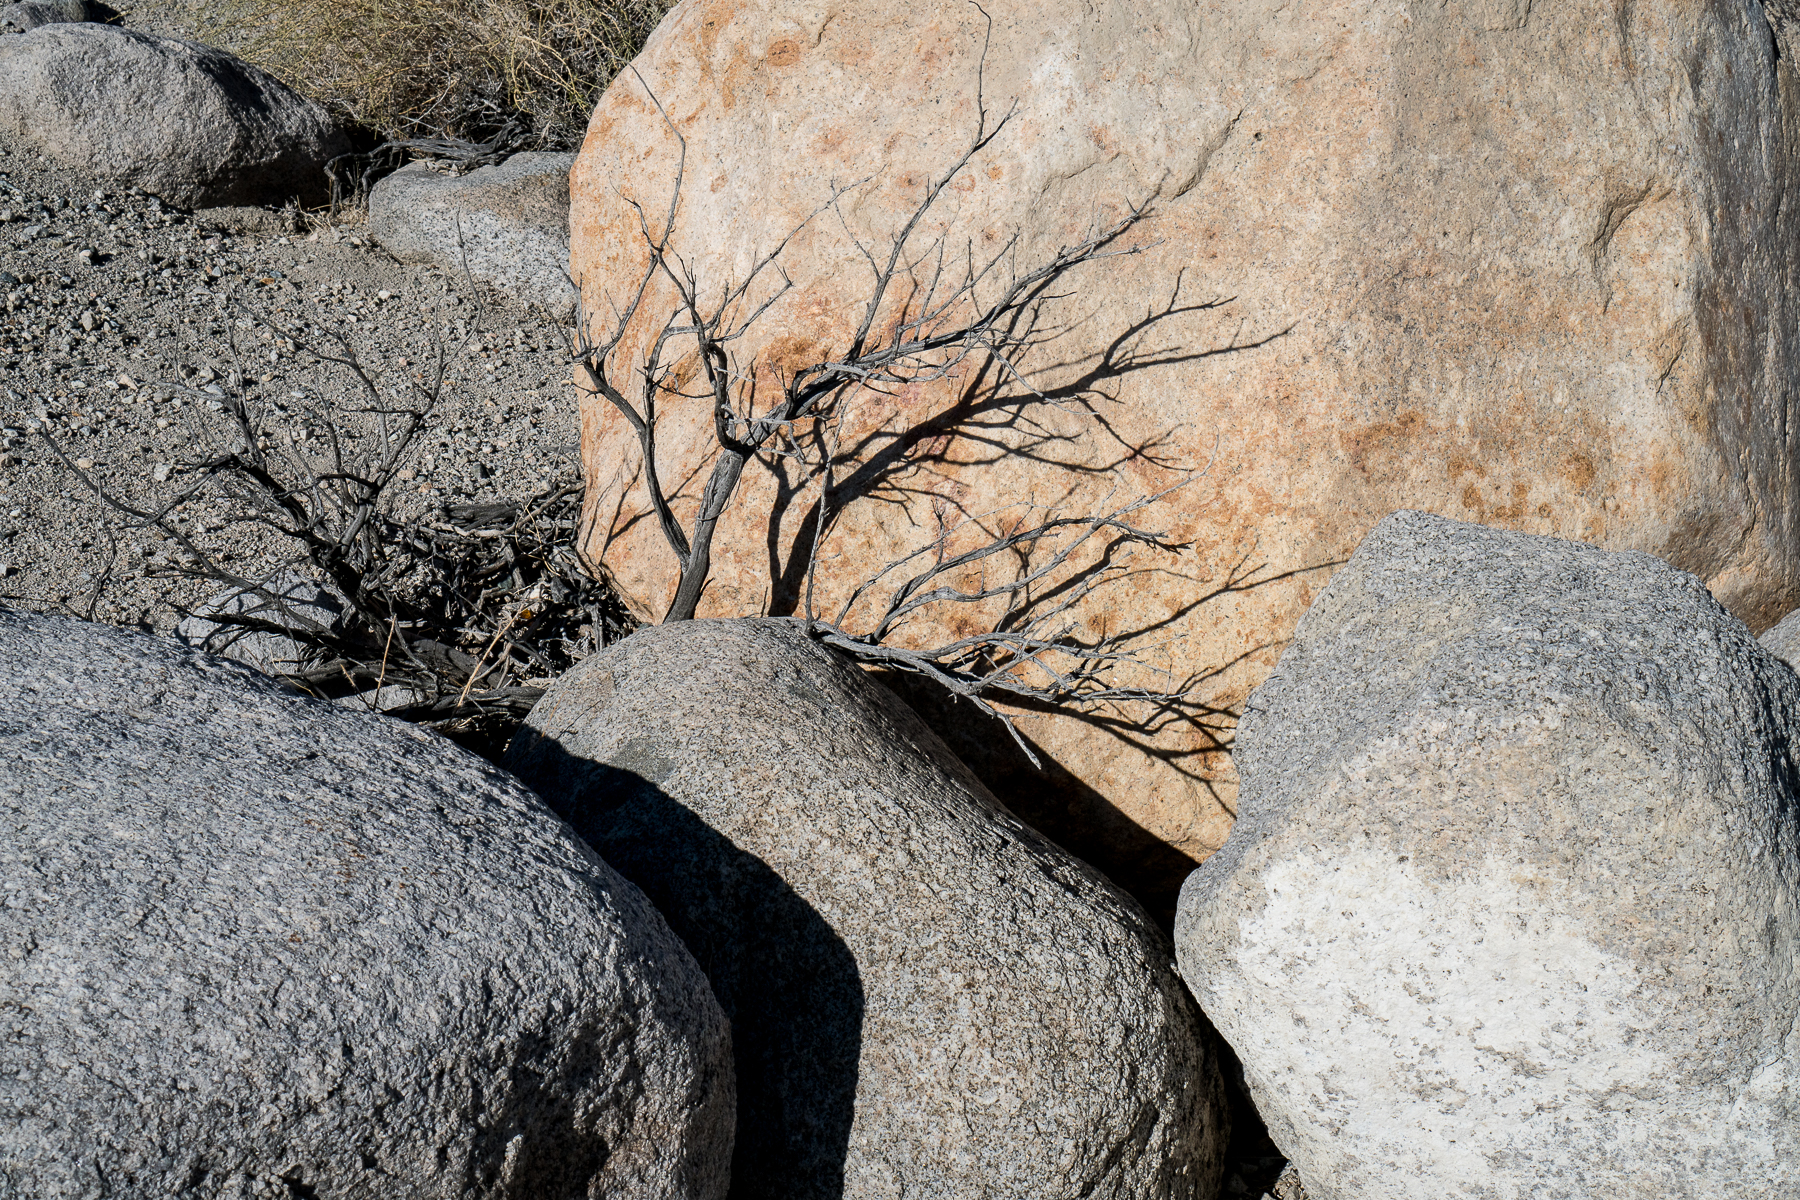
(1449, 292)
(1578, 471)
(1661, 474)
(783, 53)
(1458, 465)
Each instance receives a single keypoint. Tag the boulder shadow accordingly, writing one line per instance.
(786, 980)
(1050, 798)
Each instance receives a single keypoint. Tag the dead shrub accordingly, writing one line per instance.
(466, 69)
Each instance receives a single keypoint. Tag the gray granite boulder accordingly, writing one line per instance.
(927, 999)
(291, 603)
(256, 945)
(509, 223)
(1512, 907)
(1783, 639)
(29, 14)
(183, 121)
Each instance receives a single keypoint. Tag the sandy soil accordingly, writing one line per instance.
(109, 300)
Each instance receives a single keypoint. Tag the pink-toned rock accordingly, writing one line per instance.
(1532, 263)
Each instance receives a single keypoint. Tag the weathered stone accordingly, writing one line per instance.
(927, 999)
(1783, 639)
(509, 224)
(29, 14)
(1527, 264)
(257, 945)
(294, 603)
(183, 121)
(1513, 907)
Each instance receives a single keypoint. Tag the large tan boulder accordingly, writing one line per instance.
(1521, 264)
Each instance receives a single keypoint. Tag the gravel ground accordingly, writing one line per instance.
(115, 309)
(113, 300)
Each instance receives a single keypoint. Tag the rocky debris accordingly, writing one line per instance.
(1453, 317)
(167, 295)
(29, 14)
(926, 997)
(183, 121)
(1783, 639)
(260, 941)
(1512, 905)
(508, 224)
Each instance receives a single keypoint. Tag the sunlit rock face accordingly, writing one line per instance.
(1514, 903)
(1525, 265)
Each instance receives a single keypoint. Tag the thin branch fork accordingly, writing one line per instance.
(925, 341)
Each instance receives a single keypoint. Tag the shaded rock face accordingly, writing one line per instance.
(1512, 906)
(1507, 262)
(257, 945)
(509, 224)
(182, 121)
(927, 999)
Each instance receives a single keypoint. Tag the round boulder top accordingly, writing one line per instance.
(29, 14)
(1513, 908)
(183, 121)
(258, 941)
(507, 224)
(927, 998)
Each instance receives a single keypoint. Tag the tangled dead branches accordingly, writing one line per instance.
(457, 618)
(929, 313)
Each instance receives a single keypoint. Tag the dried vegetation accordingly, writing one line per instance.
(457, 618)
(519, 73)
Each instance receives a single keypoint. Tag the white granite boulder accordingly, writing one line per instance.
(927, 999)
(256, 945)
(1512, 908)
(183, 121)
(508, 224)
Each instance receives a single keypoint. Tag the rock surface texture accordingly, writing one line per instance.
(927, 999)
(294, 604)
(259, 946)
(29, 14)
(513, 218)
(1511, 908)
(182, 121)
(1529, 265)
(1783, 639)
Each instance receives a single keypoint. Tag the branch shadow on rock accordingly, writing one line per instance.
(785, 979)
(1050, 799)
(991, 420)
(1058, 804)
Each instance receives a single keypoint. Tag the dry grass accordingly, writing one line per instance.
(447, 68)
